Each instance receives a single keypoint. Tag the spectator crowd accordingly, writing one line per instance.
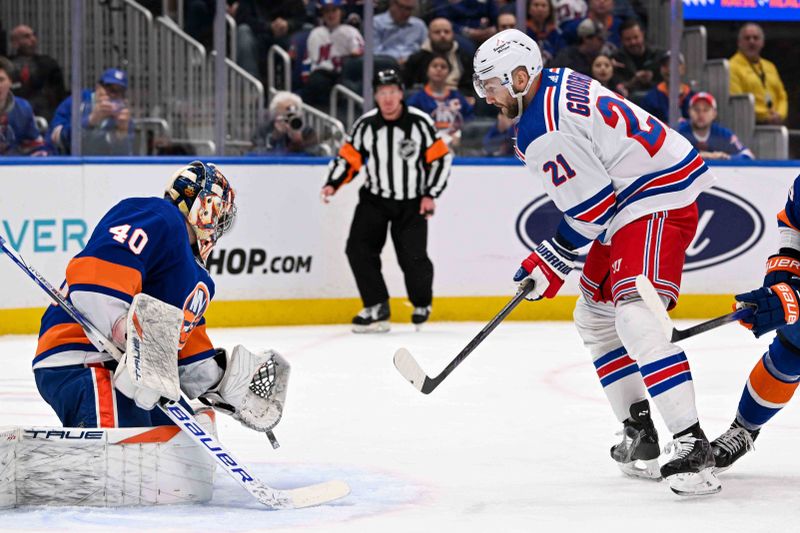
(429, 42)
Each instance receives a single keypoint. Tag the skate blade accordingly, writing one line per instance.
(375, 327)
(640, 469)
(721, 469)
(700, 483)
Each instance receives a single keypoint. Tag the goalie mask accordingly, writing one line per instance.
(206, 199)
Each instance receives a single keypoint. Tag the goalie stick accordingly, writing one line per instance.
(272, 498)
(653, 302)
(410, 369)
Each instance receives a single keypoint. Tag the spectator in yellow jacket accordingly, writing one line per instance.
(750, 73)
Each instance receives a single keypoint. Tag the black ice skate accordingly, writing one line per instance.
(690, 471)
(637, 454)
(731, 445)
(420, 316)
(373, 319)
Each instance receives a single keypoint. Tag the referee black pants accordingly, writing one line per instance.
(373, 217)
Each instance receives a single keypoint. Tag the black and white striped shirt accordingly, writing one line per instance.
(403, 159)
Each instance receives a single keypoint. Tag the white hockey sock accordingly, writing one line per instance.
(618, 373)
(663, 365)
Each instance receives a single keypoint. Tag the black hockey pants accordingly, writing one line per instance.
(373, 217)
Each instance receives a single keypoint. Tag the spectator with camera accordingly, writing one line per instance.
(106, 123)
(712, 140)
(38, 77)
(284, 132)
(18, 133)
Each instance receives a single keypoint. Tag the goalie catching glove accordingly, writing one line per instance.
(252, 389)
(548, 267)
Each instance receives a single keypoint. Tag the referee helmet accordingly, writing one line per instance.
(387, 76)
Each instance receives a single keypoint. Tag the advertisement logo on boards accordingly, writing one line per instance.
(256, 261)
(728, 226)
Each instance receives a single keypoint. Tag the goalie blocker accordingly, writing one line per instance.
(104, 467)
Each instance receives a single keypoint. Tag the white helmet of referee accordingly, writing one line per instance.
(500, 55)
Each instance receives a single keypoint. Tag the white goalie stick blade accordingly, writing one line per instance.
(315, 494)
(410, 369)
(653, 302)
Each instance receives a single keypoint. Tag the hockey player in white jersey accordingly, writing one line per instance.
(627, 184)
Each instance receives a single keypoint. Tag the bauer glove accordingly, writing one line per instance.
(772, 308)
(782, 267)
(548, 267)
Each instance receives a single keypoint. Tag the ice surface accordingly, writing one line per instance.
(516, 439)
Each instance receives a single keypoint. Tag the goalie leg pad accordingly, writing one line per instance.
(104, 467)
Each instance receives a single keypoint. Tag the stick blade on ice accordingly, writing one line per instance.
(317, 494)
(410, 369)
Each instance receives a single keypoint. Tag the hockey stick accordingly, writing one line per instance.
(270, 497)
(410, 369)
(653, 302)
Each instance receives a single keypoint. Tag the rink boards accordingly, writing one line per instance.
(284, 261)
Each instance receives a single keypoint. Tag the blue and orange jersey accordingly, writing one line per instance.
(140, 245)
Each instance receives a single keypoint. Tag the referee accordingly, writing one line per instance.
(406, 166)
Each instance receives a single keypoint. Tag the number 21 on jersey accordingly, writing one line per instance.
(137, 240)
(559, 170)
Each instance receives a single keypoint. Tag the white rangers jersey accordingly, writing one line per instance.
(603, 160)
(328, 49)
